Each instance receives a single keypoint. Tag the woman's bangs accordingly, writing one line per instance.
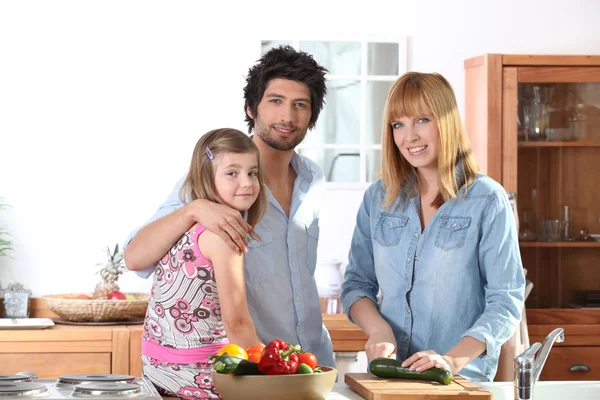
(407, 100)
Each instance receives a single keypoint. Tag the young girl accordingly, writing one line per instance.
(187, 321)
(438, 239)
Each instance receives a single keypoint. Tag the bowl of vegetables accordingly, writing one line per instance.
(277, 371)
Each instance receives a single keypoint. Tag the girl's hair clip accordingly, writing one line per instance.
(209, 153)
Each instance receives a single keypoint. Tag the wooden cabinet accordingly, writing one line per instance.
(573, 364)
(65, 349)
(534, 124)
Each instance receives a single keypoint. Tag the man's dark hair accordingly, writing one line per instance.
(285, 62)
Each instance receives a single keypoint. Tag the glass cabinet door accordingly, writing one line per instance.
(552, 127)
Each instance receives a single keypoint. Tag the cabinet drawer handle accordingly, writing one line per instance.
(579, 368)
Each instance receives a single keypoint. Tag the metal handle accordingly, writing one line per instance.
(579, 368)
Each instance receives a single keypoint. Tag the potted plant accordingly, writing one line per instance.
(16, 297)
(16, 301)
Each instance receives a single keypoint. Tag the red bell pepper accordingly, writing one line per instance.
(279, 358)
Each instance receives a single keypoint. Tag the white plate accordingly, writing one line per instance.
(25, 323)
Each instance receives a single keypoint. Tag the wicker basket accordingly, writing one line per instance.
(68, 307)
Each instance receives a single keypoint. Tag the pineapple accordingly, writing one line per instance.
(115, 266)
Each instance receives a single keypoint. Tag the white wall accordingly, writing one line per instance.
(101, 102)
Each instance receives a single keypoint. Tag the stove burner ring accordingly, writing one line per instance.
(15, 378)
(21, 389)
(105, 388)
(77, 379)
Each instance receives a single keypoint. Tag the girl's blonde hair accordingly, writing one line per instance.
(414, 95)
(200, 180)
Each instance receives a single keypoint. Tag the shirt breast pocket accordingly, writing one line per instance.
(258, 263)
(389, 229)
(312, 232)
(452, 232)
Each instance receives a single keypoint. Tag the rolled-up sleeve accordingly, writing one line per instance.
(360, 279)
(171, 204)
(502, 271)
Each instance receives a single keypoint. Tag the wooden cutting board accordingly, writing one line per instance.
(371, 387)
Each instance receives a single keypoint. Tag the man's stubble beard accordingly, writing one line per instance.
(264, 133)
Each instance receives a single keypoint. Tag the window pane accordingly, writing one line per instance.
(339, 121)
(267, 45)
(338, 165)
(340, 58)
(382, 59)
(377, 92)
(373, 165)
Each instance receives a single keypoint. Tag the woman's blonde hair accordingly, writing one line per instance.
(414, 95)
(200, 180)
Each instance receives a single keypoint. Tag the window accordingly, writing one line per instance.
(346, 141)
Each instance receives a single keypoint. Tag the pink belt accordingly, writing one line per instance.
(153, 349)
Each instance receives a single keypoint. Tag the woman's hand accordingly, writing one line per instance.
(424, 360)
(381, 345)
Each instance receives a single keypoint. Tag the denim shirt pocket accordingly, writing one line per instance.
(389, 228)
(258, 264)
(452, 232)
(312, 232)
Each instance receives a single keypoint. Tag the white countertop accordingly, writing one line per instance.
(341, 391)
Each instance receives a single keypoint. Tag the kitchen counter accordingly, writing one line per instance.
(340, 391)
(345, 336)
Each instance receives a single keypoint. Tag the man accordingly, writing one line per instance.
(284, 95)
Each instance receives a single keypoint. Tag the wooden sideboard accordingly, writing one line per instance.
(66, 349)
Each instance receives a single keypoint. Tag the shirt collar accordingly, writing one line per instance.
(411, 181)
(302, 168)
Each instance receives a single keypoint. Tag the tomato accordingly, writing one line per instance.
(254, 352)
(308, 358)
(233, 350)
(257, 348)
(254, 356)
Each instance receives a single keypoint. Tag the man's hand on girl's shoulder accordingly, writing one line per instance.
(222, 220)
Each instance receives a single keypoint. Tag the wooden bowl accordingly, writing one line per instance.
(287, 387)
(68, 307)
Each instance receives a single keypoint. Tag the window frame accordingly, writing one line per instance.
(364, 78)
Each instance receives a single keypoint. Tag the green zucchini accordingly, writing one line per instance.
(388, 368)
(225, 364)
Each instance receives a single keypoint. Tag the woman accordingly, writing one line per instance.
(437, 239)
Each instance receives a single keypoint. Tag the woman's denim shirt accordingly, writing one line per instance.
(461, 276)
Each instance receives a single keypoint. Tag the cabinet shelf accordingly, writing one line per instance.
(557, 144)
(559, 244)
